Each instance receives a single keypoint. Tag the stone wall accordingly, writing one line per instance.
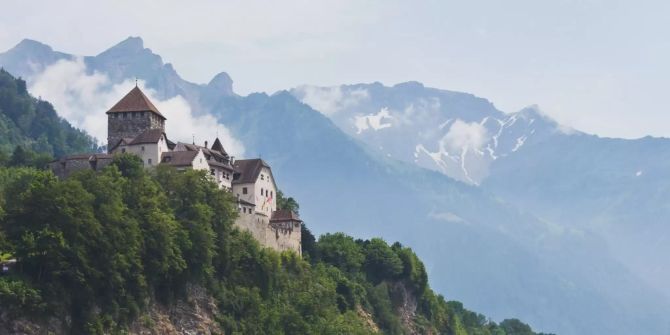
(130, 124)
(63, 168)
(281, 237)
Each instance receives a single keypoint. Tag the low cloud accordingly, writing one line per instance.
(373, 121)
(83, 98)
(463, 135)
(330, 100)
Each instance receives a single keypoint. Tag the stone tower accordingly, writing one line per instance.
(131, 116)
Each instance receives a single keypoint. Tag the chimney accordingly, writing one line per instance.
(205, 144)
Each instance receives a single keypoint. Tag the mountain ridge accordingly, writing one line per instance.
(319, 160)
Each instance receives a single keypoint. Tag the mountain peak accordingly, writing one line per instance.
(130, 44)
(31, 45)
(221, 83)
(534, 111)
(410, 85)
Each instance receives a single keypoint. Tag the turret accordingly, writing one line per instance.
(131, 116)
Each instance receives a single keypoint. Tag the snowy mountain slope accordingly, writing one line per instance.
(454, 133)
(480, 250)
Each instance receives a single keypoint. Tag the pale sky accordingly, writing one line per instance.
(601, 66)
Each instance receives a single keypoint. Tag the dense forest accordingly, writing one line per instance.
(97, 249)
(33, 123)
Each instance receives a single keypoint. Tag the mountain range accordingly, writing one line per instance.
(513, 214)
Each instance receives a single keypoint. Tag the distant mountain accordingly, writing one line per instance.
(125, 61)
(455, 133)
(614, 188)
(33, 123)
(478, 249)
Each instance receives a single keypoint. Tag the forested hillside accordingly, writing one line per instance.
(33, 123)
(96, 252)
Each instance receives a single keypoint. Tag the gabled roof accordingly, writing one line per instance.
(123, 141)
(148, 136)
(213, 157)
(284, 215)
(178, 158)
(135, 101)
(217, 146)
(248, 170)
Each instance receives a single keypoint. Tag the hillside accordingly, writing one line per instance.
(130, 251)
(477, 248)
(33, 123)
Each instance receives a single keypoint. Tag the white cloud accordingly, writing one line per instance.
(330, 100)
(183, 126)
(463, 135)
(373, 121)
(83, 98)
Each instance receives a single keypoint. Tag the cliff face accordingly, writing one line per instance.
(195, 315)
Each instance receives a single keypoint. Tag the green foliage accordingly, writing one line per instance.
(34, 125)
(287, 203)
(381, 262)
(96, 248)
(17, 296)
(340, 251)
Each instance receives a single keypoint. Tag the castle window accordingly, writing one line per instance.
(141, 114)
(244, 210)
(149, 161)
(262, 176)
(261, 191)
(142, 148)
(123, 150)
(271, 193)
(244, 190)
(211, 171)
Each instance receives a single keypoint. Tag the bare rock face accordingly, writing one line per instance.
(195, 316)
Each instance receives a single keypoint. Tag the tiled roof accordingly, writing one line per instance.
(135, 101)
(248, 170)
(148, 136)
(217, 146)
(178, 158)
(284, 215)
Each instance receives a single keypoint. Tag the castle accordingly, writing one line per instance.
(135, 125)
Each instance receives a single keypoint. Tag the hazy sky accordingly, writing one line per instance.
(599, 66)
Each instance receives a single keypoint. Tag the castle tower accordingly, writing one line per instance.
(131, 116)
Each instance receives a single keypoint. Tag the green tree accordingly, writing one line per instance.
(381, 262)
(340, 251)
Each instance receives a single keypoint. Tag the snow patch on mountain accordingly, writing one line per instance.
(375, 122)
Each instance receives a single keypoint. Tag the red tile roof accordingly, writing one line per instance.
(135, 101)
